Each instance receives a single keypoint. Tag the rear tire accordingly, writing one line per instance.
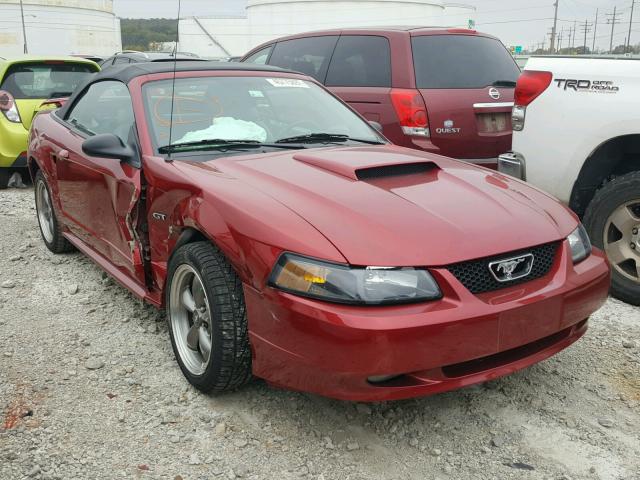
(613, 222)
(207, 319)
(50, 228)
(5, 175)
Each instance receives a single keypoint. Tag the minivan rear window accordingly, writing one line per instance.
(461, 61)
(44, 79)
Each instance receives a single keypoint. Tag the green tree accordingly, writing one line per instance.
(138, 34)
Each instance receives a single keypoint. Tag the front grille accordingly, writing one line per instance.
(477, 278)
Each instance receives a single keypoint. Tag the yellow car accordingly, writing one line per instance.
(25, 83)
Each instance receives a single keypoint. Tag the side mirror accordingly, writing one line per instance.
(107, 145)
(376, 125)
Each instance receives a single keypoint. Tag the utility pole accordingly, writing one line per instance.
(595, 29)
(633, 4)
(569, 40)
(586, 28)
(551, 35)
(613, 19)
(24, 28)
(555, 25)
(573, 40)
(560, 37)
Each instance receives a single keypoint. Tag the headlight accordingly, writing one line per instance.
(340, 283)
(580, 244)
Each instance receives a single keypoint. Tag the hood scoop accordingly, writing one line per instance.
(373, 173)
(367, 164)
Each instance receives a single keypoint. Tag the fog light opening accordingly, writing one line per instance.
(381, 378)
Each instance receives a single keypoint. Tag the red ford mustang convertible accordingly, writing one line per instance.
(287, 239)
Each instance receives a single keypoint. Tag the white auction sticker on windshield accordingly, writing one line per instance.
(287, 82)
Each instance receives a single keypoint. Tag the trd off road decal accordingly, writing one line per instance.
(598, 86)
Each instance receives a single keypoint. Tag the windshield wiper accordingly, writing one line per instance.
(325, 137)
(218, 143)
(504, 83)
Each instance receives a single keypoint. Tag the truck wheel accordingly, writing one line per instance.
(613, 222)
(49, 225)
(207, 319)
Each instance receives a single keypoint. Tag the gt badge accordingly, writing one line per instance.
(159, 216)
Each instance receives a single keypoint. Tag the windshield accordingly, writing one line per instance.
(256, 109)
(462, 61)
(44, 80)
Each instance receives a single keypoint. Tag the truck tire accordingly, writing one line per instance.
(50, 228)
(613, 222)
(207, 319)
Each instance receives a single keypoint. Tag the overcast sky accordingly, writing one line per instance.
(516, 22)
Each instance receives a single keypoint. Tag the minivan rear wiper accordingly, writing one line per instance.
(325, 137)
(504, 83)
(218, 143)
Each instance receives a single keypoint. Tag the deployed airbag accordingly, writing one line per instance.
(227, 128)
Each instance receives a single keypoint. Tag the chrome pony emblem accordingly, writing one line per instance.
(512, 268)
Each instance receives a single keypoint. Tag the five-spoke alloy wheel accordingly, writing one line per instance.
(190, 319)
(207, 318)
(50, 227)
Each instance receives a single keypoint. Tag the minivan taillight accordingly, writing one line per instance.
(529, 86)
(8, 107)
(411, 111)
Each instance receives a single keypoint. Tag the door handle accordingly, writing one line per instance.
(63, 154)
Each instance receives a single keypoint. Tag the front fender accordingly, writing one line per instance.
(250, 228)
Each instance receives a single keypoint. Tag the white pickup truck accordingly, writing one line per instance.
(576, 124)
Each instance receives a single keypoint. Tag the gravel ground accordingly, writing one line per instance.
(89, 389)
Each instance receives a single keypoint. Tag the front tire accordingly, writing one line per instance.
(50, 228)
(207, 319)
(613, 222)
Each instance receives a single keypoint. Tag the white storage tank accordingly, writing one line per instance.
(458, 15)
(269, 19)
(59, 27)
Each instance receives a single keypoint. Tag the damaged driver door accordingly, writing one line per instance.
(99, 195)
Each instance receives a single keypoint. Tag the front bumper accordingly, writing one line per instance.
(460, 340)
(513, 164)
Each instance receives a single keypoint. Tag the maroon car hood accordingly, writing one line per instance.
(391, 206)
